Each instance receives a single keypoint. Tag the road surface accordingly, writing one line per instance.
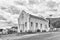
(43, 36)
(37, 36)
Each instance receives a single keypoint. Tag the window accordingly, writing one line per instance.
(31, 24)
(45, 26)
(36, 24)
(41, 25)
(22, 16)
(25, 24)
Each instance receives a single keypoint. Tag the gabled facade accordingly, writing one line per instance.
(28, 22)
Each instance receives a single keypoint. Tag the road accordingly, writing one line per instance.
(46, 36)
(37, 36)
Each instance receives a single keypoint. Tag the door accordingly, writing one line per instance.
(22, 27)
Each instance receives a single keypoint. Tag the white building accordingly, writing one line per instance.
(28, 22)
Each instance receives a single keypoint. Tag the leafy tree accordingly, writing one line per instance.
(56, 24)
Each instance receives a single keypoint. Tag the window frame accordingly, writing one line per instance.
(40, 25)
(36, 24)
(31, 24)
(25, 24)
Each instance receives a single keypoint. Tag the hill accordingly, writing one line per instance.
(55, 22)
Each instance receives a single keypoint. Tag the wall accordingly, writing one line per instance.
(21, 21)
(34, 20)
(26, 18)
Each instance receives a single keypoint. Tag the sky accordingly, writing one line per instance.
(39, 7)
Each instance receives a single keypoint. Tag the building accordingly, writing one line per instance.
(28, 22)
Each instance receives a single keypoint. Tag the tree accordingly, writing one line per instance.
(56, 24)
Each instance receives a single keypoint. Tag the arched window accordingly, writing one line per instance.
(22, 16)
(41, 25)
(36, 24)
(25, 24)
(31, 24)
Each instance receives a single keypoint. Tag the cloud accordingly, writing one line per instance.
(10, 9)
(21, 2)
(9, 17)
(34, 1)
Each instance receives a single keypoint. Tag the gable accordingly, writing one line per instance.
(21, 16)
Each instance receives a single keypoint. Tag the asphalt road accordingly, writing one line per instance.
(47, 36)
(37, 36)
